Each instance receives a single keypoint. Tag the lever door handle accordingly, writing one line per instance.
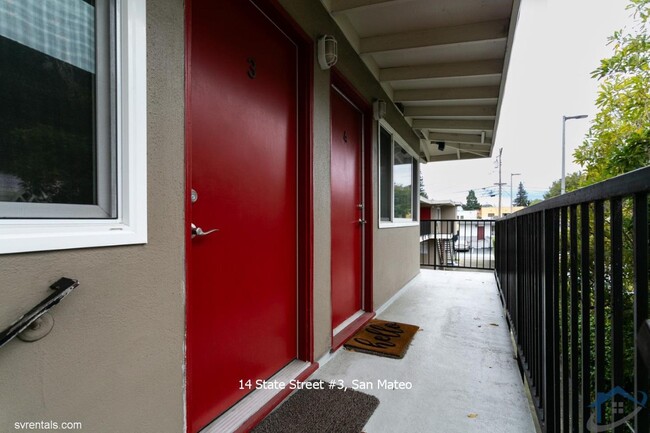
(362, 221)
(198, 231)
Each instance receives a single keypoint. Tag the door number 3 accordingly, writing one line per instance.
(252, 68)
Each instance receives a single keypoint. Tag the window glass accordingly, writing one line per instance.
(398, 175)
(385, 174)
(56, 144)
(403, 183)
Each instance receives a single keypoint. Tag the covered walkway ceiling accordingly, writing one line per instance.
(443, 63)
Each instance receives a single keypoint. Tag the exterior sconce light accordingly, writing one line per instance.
(327, 52)
(379, 109)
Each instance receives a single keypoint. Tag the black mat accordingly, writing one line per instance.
(321, 411)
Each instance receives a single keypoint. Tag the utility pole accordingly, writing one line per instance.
(511, 176)
(500, 183)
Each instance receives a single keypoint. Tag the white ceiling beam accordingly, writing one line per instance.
(341, 6)
(464, 146)
(424, 146)
(469, 138)
(482, 153)
(442, 70)
(442, 94)
(451, 111)
(476, 125)
(485, 31)
(454, 157)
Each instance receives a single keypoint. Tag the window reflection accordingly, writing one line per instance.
(47, 89)
(403, 182)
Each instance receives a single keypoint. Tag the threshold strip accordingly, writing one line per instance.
(348, 322)
(236, 416)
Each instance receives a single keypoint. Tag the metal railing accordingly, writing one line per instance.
(61, 288)
(467, 244)
(573, 275)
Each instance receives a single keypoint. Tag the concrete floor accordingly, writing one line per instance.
(460, 365)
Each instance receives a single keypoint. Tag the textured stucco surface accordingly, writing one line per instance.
(114, 358)
(396, 260)
(448, 213)
(322, 215)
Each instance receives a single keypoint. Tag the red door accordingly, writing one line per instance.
(242, 293)
(347, 208)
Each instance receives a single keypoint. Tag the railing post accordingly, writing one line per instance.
(435, 244)
(549, 324)
(564, 317)
(585, 293)
(641, 276)
(616, 289)
(575, 319)
(599, 239)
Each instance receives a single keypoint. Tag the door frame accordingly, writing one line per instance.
(305, 240)
(347, 89)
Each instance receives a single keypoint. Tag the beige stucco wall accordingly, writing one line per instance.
(448, 213)
(396, 260)
(322, 217)
(114, 358)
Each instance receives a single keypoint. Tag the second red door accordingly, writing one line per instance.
(346, 207)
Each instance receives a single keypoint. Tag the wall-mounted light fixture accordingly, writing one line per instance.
(379, 109)
(327, 51)
(441, 145)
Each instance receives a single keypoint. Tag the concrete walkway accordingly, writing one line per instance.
(460, 365)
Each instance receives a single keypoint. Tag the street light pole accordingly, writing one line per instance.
(511, 175)
(564, 119)
(500, 184)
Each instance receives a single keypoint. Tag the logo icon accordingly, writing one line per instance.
(619, 409)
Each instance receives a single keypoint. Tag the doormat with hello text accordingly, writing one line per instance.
(379, 337)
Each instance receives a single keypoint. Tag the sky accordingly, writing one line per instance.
(558, 43)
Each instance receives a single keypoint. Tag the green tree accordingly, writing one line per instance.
(619, 141)
(573, 182)
(403, 201)
(472, 202)
(619, 138)
(521, 199)
(423, 192)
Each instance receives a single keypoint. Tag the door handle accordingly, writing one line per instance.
(198, 231)
(362, 221)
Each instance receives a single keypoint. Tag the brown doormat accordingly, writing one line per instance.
(327, 409)
(383, 338)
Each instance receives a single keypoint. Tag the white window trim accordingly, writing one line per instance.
(130, 227)
(396, 222)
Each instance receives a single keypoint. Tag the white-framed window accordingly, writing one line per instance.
(72, 124)
(398, 180)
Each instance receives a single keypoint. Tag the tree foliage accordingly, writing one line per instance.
(619, 141)
(619, 138)
(472, 202)
(423, 192)
(403, 201)
(521, 199)
(573, 182)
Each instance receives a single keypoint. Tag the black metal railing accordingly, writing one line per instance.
(573, 275)
(467, 244)
(61, 288)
